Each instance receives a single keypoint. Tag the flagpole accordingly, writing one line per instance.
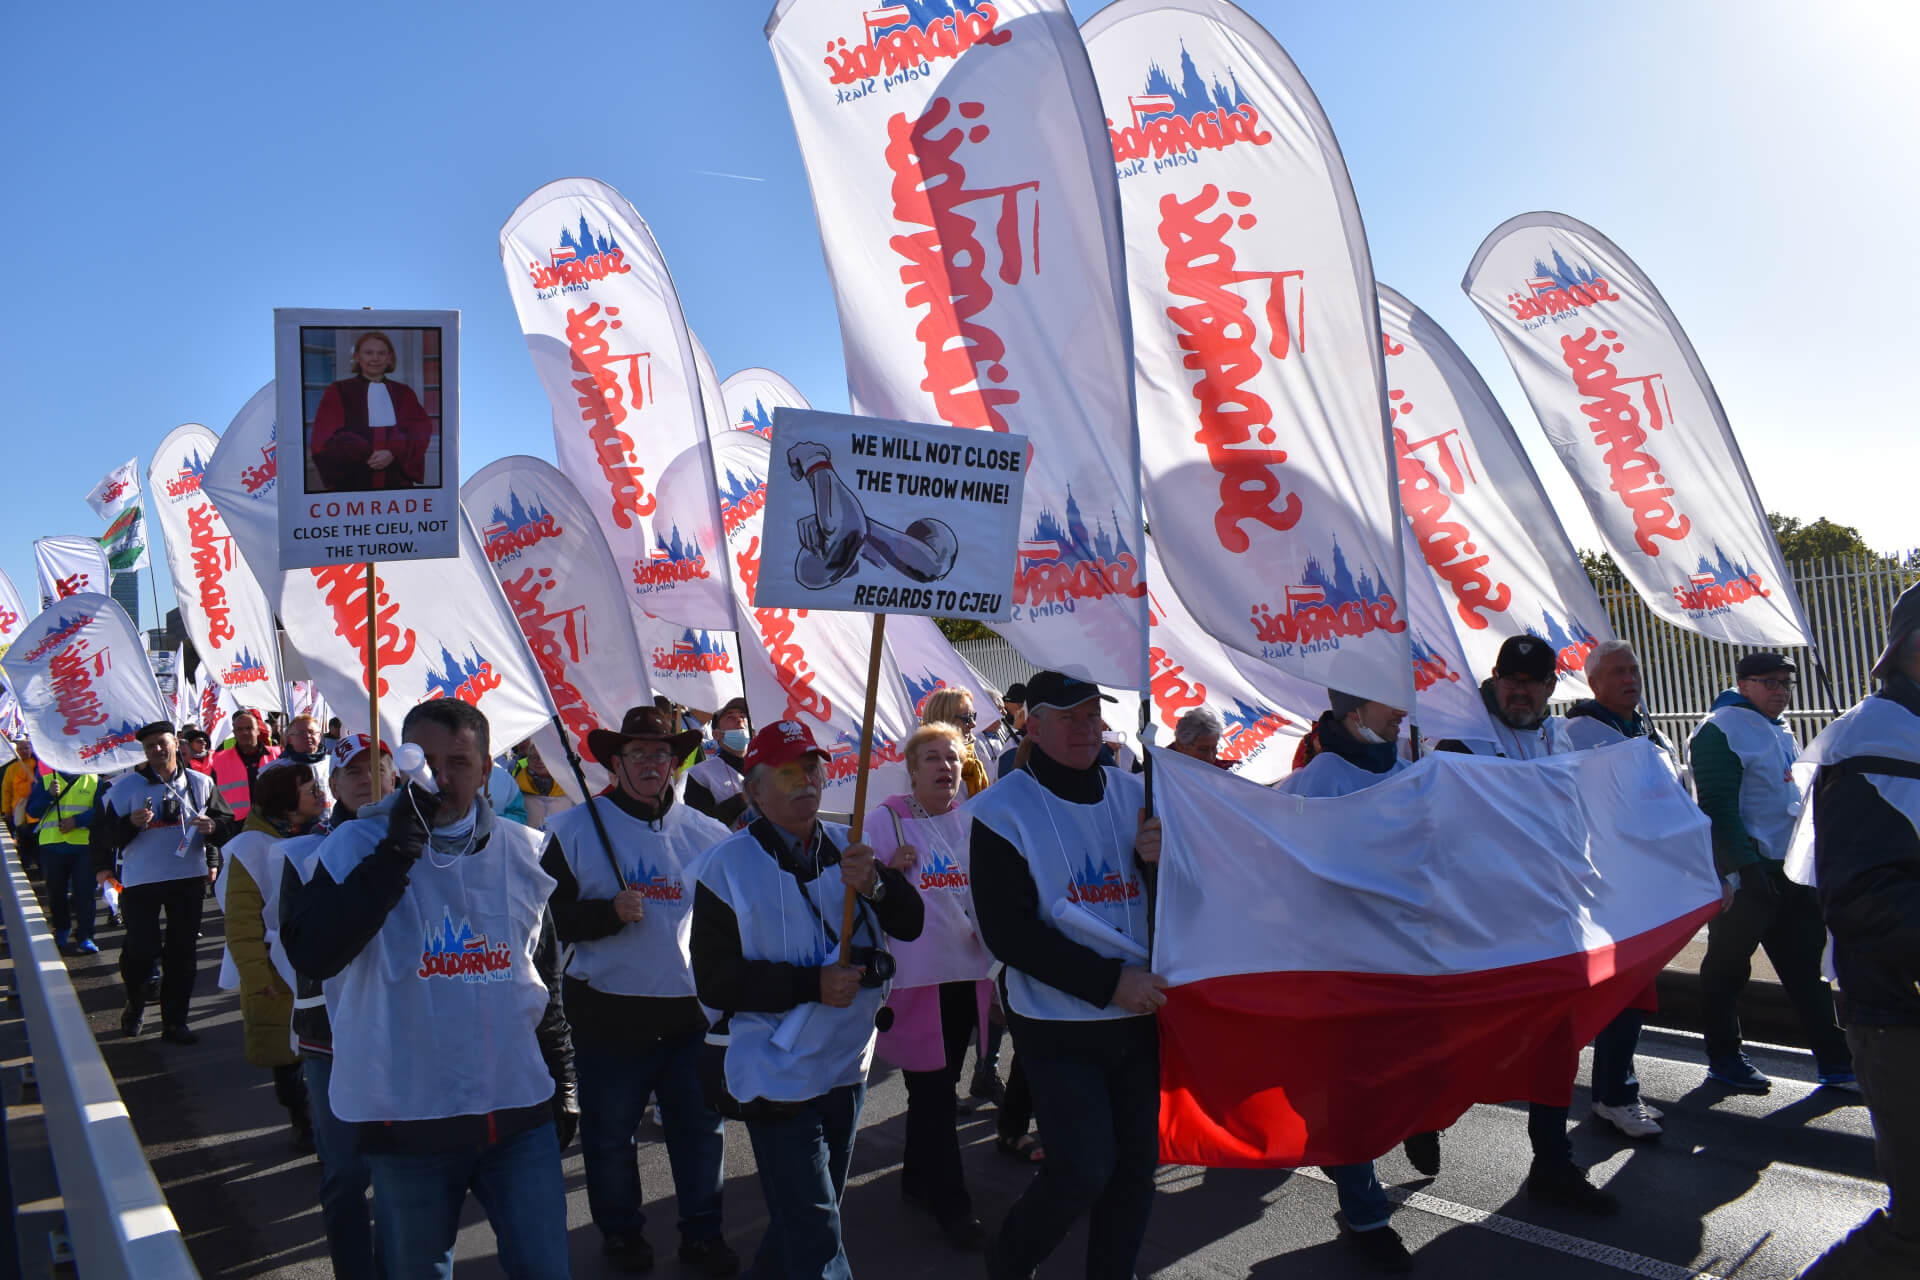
(860, 779)
(373, 673)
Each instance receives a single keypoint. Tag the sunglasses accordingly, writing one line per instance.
(1776, 684)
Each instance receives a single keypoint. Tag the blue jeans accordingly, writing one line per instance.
(344, 1181)
(803, 1173)
(614, 1084)
(70, 889)
(1363, 1201)
(1614, 1082)
(417, 1201)
(1098, 1111)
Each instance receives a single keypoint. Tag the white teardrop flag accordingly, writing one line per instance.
(80, 674)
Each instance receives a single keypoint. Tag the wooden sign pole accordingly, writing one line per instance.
(860, 779)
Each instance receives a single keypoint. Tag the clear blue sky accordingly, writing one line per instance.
(177, 171)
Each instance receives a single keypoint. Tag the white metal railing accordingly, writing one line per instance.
(117, 1217)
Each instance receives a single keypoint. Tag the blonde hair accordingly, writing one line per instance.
(304, 716)
(926, 735)
(393, 353)
(945, 706)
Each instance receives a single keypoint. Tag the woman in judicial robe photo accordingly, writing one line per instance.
(370, 433)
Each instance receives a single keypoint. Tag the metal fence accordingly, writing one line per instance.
(1848, 601)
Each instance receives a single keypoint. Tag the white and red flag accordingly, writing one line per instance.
(564, 589)
(79, 672)
(1256, 345)
(13, 614)
(1461, 928)
(442, 628)
(751, 396)
(1481, 523)
(611, 346)
(117, 490)
(213, 705)
(1628, 407)
(222, 605)
(70, 565)
(965, 195)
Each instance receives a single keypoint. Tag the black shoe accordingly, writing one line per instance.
(1423, 1152)
(303, 1141)
(131, 1022)
(1566, 1185)
(629, 1252)
(710, 1257)
(178, 1033)
(963, 1231)
(999, 1269)
(987, 1087)
(1379, 1248)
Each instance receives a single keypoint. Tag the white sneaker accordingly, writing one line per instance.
(1635, 1120)
(1653, 1111)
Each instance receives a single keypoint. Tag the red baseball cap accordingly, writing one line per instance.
(781, 742)
(350, 746)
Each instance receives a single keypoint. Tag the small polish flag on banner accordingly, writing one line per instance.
(1348, 971)
(880, 20)
(1150, 104)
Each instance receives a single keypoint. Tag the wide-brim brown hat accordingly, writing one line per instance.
(642, 724)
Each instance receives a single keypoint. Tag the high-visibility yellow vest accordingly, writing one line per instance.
(74, 797)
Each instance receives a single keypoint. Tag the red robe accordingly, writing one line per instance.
(342, 440)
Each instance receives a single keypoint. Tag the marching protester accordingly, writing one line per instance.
(16, 786)
(940, 991)
(303, 746)
(1516, 696)
(288, 802)
(1866, 827)
(622, 864)
(235, 768)
(540, 792)
(452, 1085)
(1357, 741)
(797, 1023)
(1742, 758)
(196, 749)
(64, 807)
(162, 824)
(1015, 728)
(344, 1176)
(1197, 733)
(1060, 851)
(714, 786)
(334, 733)
(955, 707)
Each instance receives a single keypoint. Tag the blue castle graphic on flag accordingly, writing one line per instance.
(1191, 94)
(699, 642)
(516, 515)
(673, 549)
(1243, 716)
(1562, 275)
(1574, 634)
(1422, 651)
(583, 244)
(918, 691)
(246, 664)
(453, 674)
(1341, 587)
(918, 13)
(1071, 543)
(195, 466)
(758, 420)
(1723, 571)
(736, 491)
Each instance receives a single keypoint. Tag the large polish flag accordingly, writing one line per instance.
(1346, 972)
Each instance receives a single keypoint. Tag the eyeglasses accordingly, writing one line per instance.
(967, 720)
(1774, 684)
(647, 755)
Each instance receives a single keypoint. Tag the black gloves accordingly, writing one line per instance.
(410, 820)
(566, 1121)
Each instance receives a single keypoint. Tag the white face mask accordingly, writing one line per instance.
(735, 740)
(1365, 734)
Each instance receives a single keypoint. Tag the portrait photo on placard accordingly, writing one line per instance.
(376, 396)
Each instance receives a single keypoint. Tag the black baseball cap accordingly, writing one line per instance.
(1526, 655)
(1762, 664)
(1016, 695)
(1059, 690)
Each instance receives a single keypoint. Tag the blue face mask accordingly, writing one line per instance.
(735, 740)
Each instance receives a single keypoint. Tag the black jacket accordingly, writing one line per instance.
(728, 981)
(331, 923)
(1867, 868)
(601, 1018)
(1020, 935)
(700, 799)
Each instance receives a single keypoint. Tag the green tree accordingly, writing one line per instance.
(1817, 541)
(965, 629)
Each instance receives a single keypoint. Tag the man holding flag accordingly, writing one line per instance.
(1060, 855)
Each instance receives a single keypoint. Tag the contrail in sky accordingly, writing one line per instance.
(737, 177)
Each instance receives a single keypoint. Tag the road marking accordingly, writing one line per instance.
(1573, 1246)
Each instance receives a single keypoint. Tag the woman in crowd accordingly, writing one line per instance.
(287, 802)
(940, 990)
(955, 707)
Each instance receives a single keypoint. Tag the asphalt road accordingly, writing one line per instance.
(1739, 1186)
